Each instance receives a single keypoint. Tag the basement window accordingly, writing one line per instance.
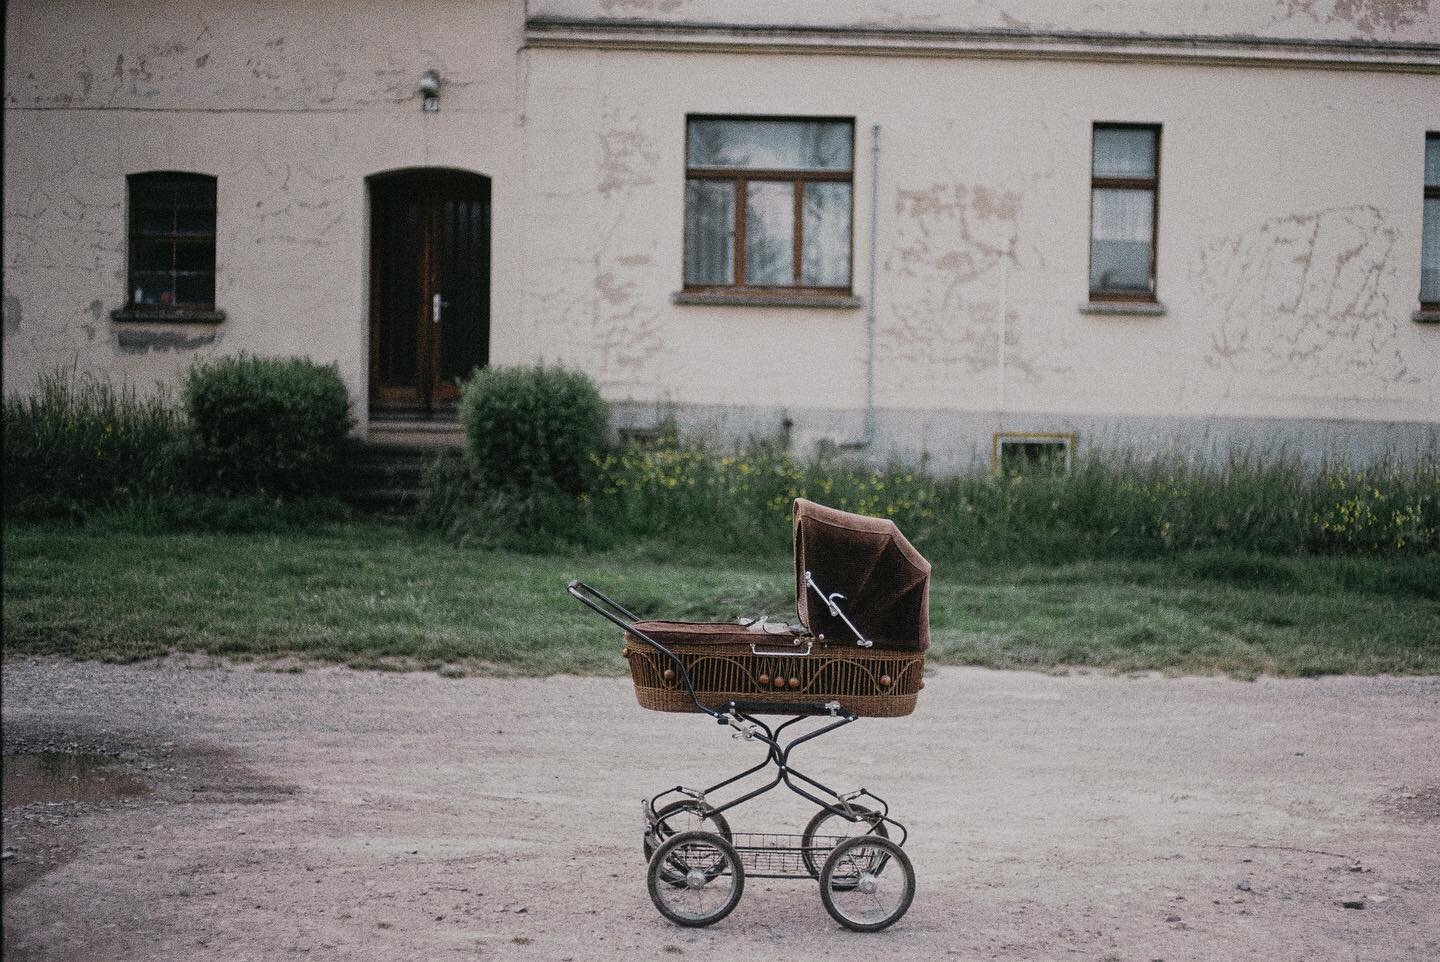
(1032, 453)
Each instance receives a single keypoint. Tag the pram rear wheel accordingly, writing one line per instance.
(867, 883)
(686, 815)
(712, 878)
(827, 826)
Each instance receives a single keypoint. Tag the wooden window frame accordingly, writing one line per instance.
(1152, 184)
(1432, 192)
(175, 239)
(741, 177)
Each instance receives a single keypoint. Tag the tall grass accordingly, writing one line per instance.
(1110, 504)
(77, 443)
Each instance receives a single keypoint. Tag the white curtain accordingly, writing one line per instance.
(1430, 252)
(771, 144)
(826, 256)
(770, 233)
(1124, 152)
(1121, 225)
(709, 232)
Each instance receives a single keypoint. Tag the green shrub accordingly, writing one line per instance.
(271, 425)
(529, 427)
(78, 443)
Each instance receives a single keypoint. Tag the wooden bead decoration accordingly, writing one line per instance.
(669, 674)
(794, 682)
(764, 679)
(885, 681)
(779, 682)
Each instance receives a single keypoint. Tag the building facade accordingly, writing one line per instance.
(917, 228)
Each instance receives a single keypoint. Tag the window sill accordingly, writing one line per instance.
(1138, 308)
(765, 299)
(1426, 315)
(167, 315)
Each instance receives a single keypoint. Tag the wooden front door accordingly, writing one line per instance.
(429, 287)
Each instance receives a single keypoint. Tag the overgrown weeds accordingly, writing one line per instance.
(1110, 504)
(78, 443)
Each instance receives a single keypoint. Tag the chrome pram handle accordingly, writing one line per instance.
(782, 653)
(836, 612)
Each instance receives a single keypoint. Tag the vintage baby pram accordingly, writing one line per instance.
(862, 594)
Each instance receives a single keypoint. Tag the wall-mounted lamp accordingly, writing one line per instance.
(430, 90)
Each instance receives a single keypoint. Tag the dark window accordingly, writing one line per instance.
(1124, 210)
(172, 241)
(1022, 453)
(768, 204)
(1430, 229)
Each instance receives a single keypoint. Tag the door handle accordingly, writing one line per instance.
(435, 305)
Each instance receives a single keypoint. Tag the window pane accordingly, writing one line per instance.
(1432, 160)
(148, 221)
(826, 261)
(770, 234)
(195, 288)
(195, 221)
(194, 257)
(1430, 252)
(771, 144)
(1124, 152)
(152, 287)
(1120, 234)
(709, 232)
(153, 255)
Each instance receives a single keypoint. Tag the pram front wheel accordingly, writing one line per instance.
(712, 878)
(827, 829)
(867, 883)
(686, 815)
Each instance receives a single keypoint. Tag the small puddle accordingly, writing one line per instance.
(65, 777)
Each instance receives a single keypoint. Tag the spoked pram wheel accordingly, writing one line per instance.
(867, 883)
(687, 815)
(827, 828)
(713, 878)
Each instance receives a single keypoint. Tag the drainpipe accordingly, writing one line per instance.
(868, 437)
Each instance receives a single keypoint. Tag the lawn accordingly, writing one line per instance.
(373, 595)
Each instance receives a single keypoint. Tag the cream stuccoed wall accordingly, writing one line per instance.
(1290, 201)
(1409, 20)
(291, 106)
(1288, 255)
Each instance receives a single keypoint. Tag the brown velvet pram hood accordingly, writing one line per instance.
(885, 581)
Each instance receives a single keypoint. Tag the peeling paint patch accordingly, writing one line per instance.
(947, 237)
(92, 326)
(644, 6)
(145, 342)
(1367, 16)
(12, 315)
(627, 158)
(1305, 295)
(951, 310)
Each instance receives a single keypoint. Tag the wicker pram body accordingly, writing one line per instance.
(870, 658)
(724, 666)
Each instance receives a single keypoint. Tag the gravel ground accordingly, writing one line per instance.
(348, 815)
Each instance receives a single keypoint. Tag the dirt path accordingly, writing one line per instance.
(343, 815)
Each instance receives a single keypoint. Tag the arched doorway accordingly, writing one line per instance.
(429, 287)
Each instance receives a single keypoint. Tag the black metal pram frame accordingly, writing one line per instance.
(697, 866)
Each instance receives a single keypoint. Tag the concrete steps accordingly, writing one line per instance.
(387, 469)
